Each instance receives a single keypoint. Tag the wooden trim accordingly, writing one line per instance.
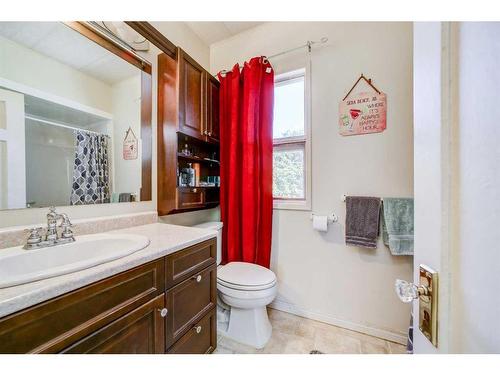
(110, 45)
(166, 134)
(146, 137)
(154, 36)
(289, 141)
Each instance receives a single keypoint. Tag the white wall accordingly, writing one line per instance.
(126, 110)
(181, 35)
(318, 275)
(477, 259)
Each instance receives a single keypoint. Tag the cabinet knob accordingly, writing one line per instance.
(163, 312)
(197, 329)
(197, 278)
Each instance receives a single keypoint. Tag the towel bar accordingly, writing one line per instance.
(343, 196)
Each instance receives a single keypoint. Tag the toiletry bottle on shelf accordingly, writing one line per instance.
(186, 151)
(191, 175)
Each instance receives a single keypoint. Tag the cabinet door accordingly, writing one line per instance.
(141, 331)
(51, 326)
(188, 301)
(200, 339)
(212, 108)
(191, 97)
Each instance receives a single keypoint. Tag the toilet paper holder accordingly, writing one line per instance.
(332, 218)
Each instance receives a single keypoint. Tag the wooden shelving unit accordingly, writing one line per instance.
(188, 114)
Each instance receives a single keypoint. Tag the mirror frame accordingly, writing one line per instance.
(86, 29)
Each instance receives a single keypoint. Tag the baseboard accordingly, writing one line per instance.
(377, 332)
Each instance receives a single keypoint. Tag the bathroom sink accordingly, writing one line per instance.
(19, 266)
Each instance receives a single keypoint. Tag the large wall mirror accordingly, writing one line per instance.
(75, 115)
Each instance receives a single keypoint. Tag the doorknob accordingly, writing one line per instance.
(426, 293)
(407, 292)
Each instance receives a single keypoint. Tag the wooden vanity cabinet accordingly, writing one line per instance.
(141, 331)
(147, 309)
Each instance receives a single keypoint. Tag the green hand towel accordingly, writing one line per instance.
(397, 225)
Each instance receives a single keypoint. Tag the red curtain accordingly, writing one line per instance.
(246, 143)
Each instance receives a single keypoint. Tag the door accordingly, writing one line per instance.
(191, 93)
(457, 179)
(212, 108)
(141, 331)
(12, 150)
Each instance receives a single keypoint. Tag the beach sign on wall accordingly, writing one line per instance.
(364, 112)
(130, 145)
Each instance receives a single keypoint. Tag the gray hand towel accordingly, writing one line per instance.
(362, 221)
(397, 225)
(125, 197)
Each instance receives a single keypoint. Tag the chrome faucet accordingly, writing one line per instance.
(51, 238)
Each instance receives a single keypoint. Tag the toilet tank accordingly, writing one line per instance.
(217, 226)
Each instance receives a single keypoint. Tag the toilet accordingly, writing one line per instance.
(244, 291)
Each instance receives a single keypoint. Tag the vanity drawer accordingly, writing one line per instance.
(185, 263)
(54, 325)
(200, 339)
(141, 331)
(188, 301)
(188, 198)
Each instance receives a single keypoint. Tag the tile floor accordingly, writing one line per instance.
(295, 335)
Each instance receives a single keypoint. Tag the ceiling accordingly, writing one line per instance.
(212, 32)
(59, 42)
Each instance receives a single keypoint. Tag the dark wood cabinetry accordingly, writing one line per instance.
(186, 310)
(201, 338)
(192, 116)
(212, 98)
(141, 331)
(188, 119)
(147, 309)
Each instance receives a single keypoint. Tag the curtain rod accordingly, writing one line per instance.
(47, 122)
(308, 44)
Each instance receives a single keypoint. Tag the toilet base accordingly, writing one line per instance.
(248, 326)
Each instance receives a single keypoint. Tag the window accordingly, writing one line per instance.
(290, 142)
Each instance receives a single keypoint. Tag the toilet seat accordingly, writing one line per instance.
(248, 295)
(244, 276)
(245, 287)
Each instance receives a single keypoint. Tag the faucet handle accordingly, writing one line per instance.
(65, 221)
(65, 225)
(35, 236)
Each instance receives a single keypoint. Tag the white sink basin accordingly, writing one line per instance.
(19, 266)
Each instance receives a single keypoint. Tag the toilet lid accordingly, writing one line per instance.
(245, 274)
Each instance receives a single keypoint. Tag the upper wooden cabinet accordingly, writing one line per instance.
(212, 108)
(188, 118)
(198, 100)
(192, 118)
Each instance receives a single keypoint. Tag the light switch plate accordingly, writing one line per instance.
(428, 304)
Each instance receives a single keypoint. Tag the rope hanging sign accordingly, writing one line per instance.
(363, 112)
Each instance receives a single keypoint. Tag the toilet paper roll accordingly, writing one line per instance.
(320, 223)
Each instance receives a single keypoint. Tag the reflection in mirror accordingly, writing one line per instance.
(70, 119)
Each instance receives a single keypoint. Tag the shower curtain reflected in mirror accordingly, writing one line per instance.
(91, 174)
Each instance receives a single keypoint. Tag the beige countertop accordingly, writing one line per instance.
(164, 239)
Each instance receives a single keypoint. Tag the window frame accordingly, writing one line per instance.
(305, 140)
